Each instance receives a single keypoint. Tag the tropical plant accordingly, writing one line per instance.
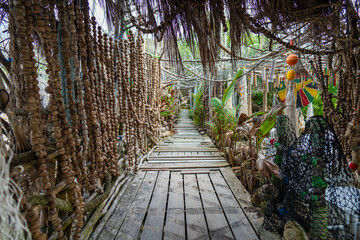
(223, 121)
(169, 109)
(199, 111)
(247, 156)
(268, 124)
(191, 113)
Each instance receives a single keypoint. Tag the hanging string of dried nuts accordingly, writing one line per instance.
(48, 35)
(23, 24)
(87, 63)
(140, 92)
(96, 122)
(102, 108)
(81, 123)
(127, 81)
(95, 84)
(133, 97)
(69, 53)
(344, 96)
(112, 105)
(76, 197)
(107, 82)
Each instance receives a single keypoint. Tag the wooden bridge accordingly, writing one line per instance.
(186, 190)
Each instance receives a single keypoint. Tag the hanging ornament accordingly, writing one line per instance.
(292, 59)
(290, 75)
(305, 90)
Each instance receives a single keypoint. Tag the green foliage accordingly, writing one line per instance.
(318, 105)
(224, 119)
(229, 91)
(268, 124)
(257, 97)
(165, 113)
(260, 131)
(191, 113)
(169, 108)
(199, 111)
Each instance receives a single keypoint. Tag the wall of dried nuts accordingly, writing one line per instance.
(102, 93)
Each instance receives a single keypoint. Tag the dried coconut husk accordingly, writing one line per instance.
(22, 143)
(125, 99)
(141, 90)
(69, 157)
(107, 99)
(81, 87)
(29, 74)
(87, 60)
(69, 48)
(95, 140)
(102, 107)
(113, 166)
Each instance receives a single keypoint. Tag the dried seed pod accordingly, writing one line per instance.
(81, 85)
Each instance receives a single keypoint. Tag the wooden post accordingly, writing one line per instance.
(277, 82)
(244, 97)
(290, 109)
(265, 89)
(249, 93)
(255, 79)
(190, 98)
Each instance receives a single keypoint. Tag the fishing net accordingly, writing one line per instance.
(316, 188)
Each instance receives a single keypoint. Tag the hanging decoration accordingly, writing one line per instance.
(99, 88)
(290, 75)
(282, 89)
(292, 59)
(305, 91)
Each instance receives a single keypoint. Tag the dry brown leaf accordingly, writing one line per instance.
(267, 167)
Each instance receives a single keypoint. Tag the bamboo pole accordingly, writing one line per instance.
(249, 93)
(265, 89)
(277, 82)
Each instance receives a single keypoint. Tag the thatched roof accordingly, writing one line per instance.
(324, 25)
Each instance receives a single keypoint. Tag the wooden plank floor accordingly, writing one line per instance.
(184, 191)
(185, 149)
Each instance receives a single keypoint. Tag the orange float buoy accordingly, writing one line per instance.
(292, 59)
(290, 75)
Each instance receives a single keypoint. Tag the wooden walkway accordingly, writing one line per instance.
(185, 191)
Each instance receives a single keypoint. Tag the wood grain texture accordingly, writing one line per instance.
(115, 221)
(243, 197)
(216, 220)
(175, 219)
(153, 227)
(195, 218)
(184, 191)
(237, 220)
(132, 223)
